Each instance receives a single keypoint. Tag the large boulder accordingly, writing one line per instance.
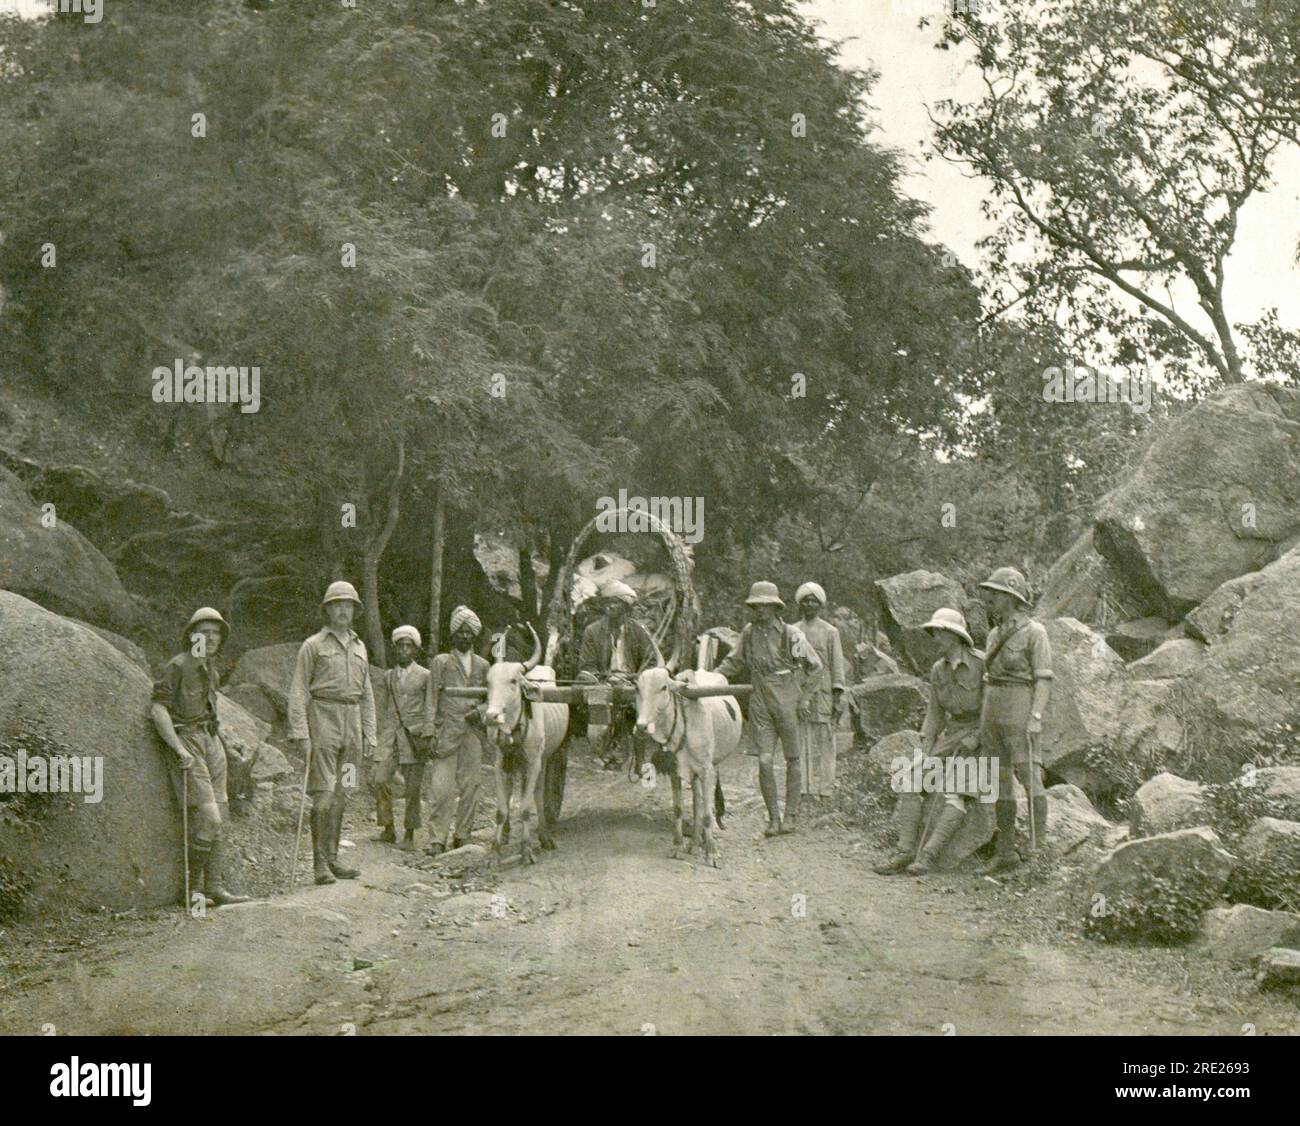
(1213, 498)
(245, 731)
(1278, 968)
(887, 751)
(1156, 888)
(888, 702)
(1086, 705)
(906, 603)
(1238, 932)
(1073, 822)
(1246, 686)
(1180, 656)
(61, 683)
(1135, 639)
(1165, 803)
(1082, 584)
(57, 567)
(268, 669)
(1280, 786)
(1268, 864)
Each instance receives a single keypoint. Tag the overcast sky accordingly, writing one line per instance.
(883, 34)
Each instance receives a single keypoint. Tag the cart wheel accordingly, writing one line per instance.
(553, 785)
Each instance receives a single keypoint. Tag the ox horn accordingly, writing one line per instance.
(673, 664)
(531, 663)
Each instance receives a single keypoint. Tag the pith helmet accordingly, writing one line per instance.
(339, 591)
(764, 594)
(205, 614)
(954, 621)
(1009, 580)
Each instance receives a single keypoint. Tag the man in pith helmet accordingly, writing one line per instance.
(332, 720)
(1018, 684)
(817, 721)
(184, 712)
(951, 727)
(781, 666)
(404, 747)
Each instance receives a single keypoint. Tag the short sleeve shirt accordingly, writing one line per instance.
(1025, 657)
(187, 688)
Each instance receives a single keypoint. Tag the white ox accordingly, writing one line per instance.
(525, 733)
(700, 734)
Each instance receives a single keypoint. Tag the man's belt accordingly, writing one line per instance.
(965, 717)
(331, 698)
(208, 724)
(1007, 681)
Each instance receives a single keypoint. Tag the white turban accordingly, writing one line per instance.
(813, 589)
(464, 616)
(621, 591)
(407, 633)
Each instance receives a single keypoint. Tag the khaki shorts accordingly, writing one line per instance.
(205, 782)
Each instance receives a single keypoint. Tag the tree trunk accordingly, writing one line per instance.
(370, 566)
(435, 572)
(528, 583)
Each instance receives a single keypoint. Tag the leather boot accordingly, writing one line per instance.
(408, 841)
(341, 871)
(198, 861)
(767, 786)
(387, 835)
(216, 885)
(320, 846)
(908, 817)
(950, 819)
(793, 791)
(1038, 809)
(1005, 858)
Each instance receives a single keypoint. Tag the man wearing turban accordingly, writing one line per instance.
(615, 648)
(819, 712)
(453, 723)
(403, 748)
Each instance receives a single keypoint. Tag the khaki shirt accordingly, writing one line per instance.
(331, 670)
(825, 640)
(956, 693)
(1026, 656)
(770, 651)
(187, 688)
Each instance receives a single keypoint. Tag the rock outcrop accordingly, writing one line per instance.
(906, 603)
(57, 566)
(1165, 803)
(1214, 498)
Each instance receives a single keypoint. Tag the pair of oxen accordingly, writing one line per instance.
(527, 717)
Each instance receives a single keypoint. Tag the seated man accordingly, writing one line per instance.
(615, 649)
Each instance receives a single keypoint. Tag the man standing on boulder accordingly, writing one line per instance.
(817, 720)
(184, 711)
(332, 722)
(404, 748)
(951, 727)
(1018, 679)
(453, 723)
(782, 668)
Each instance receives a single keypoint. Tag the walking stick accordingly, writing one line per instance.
(1033, 780)
(185, 833)
(302, 808)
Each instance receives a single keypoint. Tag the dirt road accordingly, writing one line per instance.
(609, 935)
